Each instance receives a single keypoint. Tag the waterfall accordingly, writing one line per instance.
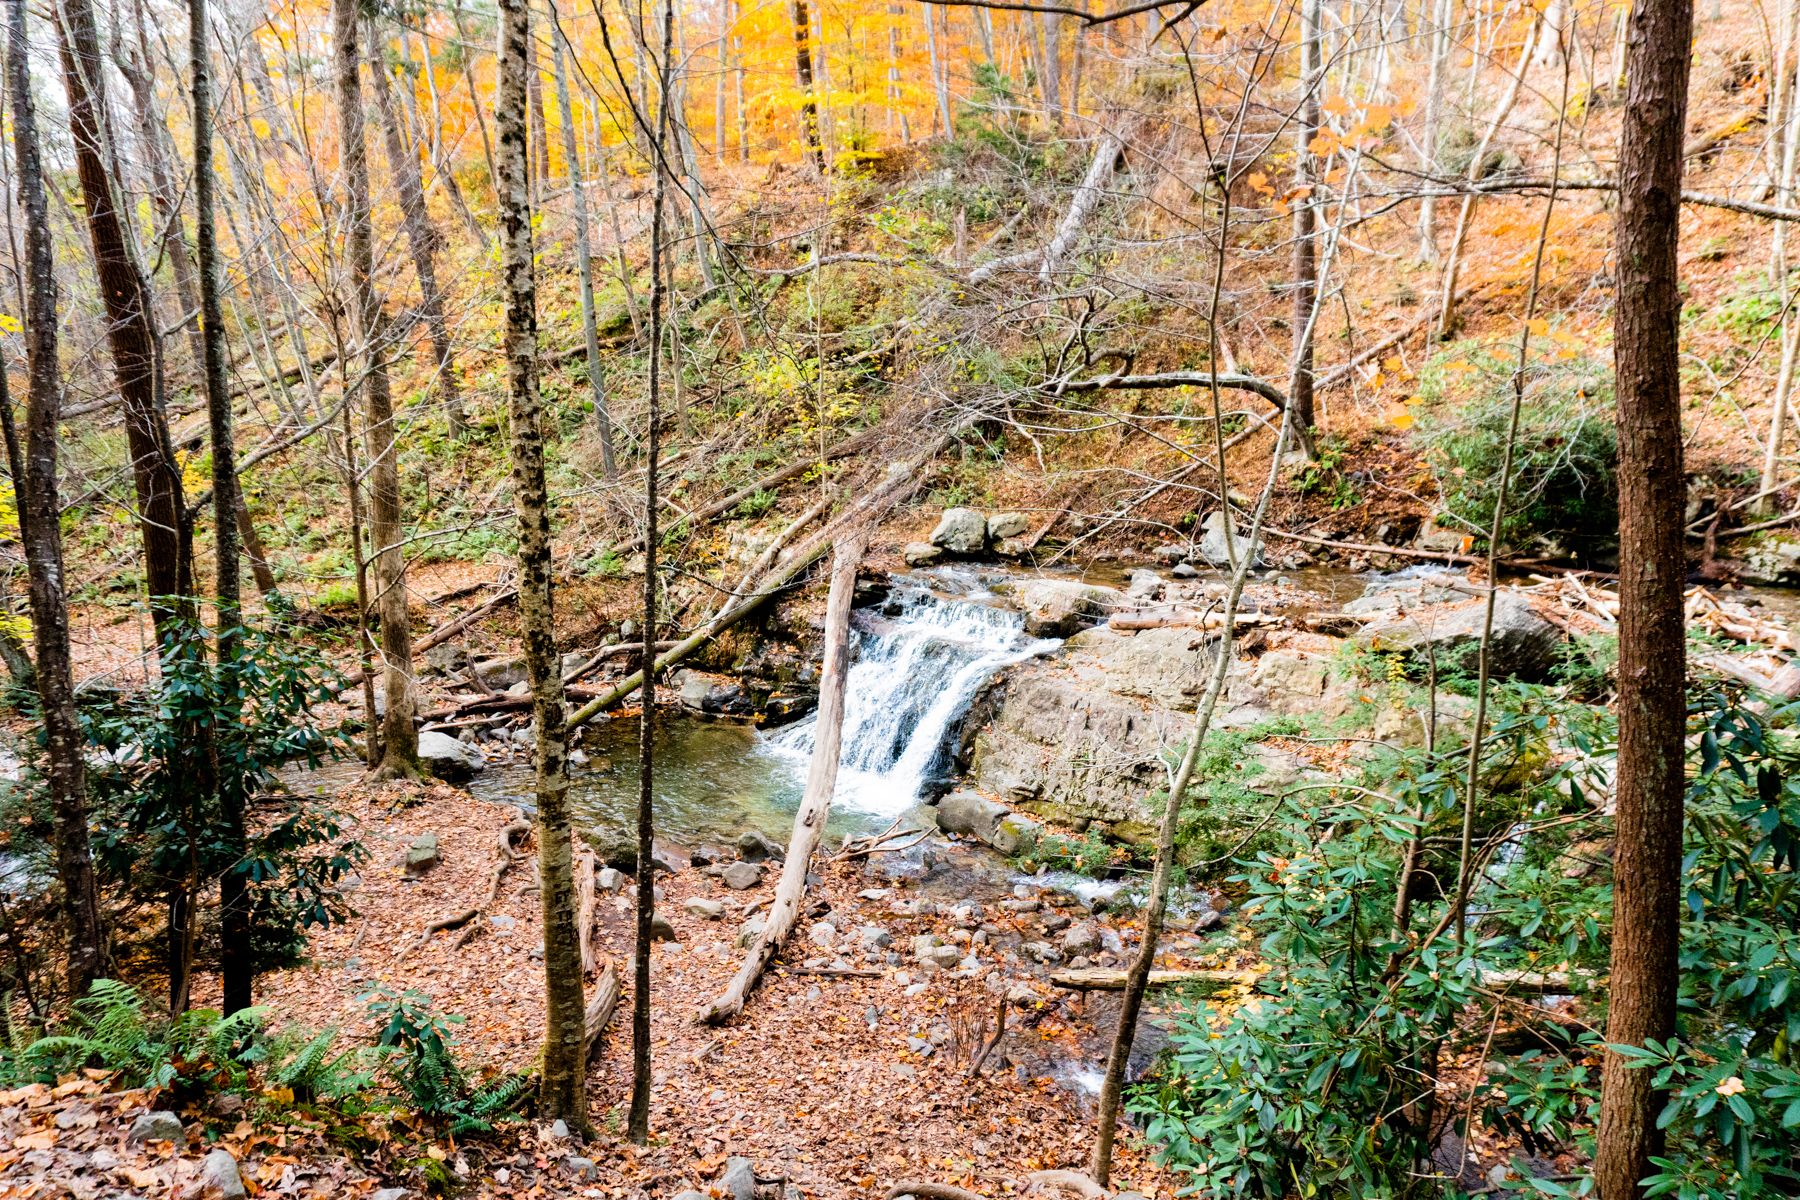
(917, 665)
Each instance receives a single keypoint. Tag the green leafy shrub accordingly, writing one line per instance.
(422, 1063)
(1564, 460)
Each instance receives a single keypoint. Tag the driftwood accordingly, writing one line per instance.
(815, 803)
(600, 1009)
(1185, 619)
(924, 1189)
(585, 906)
(1066, 1181)
(1110, 979)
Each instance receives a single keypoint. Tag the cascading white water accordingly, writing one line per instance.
(913, 675)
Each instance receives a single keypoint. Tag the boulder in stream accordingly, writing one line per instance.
(961, 531)
(448, 759)
(1056, 608)
(1524, 645)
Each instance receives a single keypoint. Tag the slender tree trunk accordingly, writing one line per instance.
(637, 1124)
(1051, 24)
(562, 1091)
(1652, 663)
(64, 742)
(937, 69)
(584, 257)
(162, 520)
(1442, 11)
(234, 909)
(468, 74)
(1465, 215)
(399, 740)
(1306, 263)
(423, 238)
(803, 70)
(540, 128)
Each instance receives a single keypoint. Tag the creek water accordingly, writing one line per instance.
(918, 661)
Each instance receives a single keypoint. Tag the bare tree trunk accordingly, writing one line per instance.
(399, 739)
(815, 802)
(1465, 215)
(63, 738)
(234, 909)
(1652, 663)
(1443, 10)
(584, 258)
(562, 1089)
(637, 1122)
(803, 69)
(1051, 36)
(540, 128)
(1306, 263)
(937, 70)
(737, 85)
(468, 74)
(422, 237)
(162, 520)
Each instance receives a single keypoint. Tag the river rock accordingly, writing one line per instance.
(1291, 682)
(158, 1126)
(961, 531)
(1144, 586)
(1081, 938)
(874, 937)
(742, 876)
(969, 814)
(921, 554)
(1056, 608)
(499, 674)
(822, 934)
(701, 906)
(422, 855)
(713, 695)
(1007, 525)
(584, 1169)
(609, 879)
(1213, 547)
(739, 1179)
(1015, 833)
(660, 928)
(706, 856)
(749, 931)
(219, 1178)
(930, 952)
(448, 759)
(754, 847)
(1524, 645)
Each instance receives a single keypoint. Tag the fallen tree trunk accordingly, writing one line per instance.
(1133, 622)
(815, 803)
(1111, 979)
(449, 629)
(600, 1009)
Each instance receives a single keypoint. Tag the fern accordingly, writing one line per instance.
(490, 1104)
(109, 1029)
(313, 1069)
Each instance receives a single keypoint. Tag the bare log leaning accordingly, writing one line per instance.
(600, 1008)
(815, 803)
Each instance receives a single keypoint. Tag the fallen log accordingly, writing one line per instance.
(1133, 622)
(1112, 979)
(924, 1189)
(445, 632)
(600, 1009)
(815, 803)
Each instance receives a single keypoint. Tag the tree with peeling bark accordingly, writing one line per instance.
(1652, 707)
(398, 738)
(562, 1091)
(64, 741)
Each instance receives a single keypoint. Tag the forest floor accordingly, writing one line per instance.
(836, 1084)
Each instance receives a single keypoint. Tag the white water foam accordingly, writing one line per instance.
(913, 677)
